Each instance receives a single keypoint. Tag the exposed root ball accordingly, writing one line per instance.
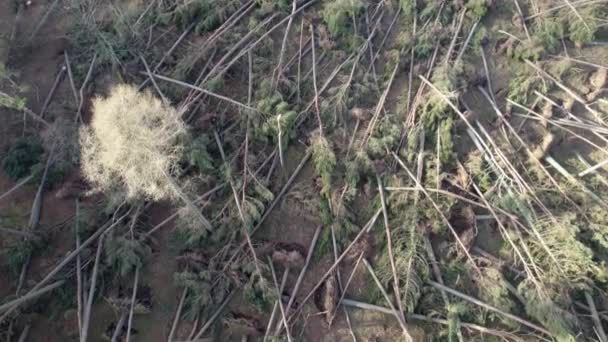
(545, 146)
(568, 103)
(364, 246)
(245, 325)
(547, 113)
(197, 261)
(360, 114)
(326, 297)
(464, 222)
(286, 254)
(122, 334)
(599, 78)
(291, 259)
(143, 300)
(71, 189)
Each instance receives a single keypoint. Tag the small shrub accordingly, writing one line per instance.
(259, 292)
(202, 296)
(275, 121)
(550, 32)
(581, 32)
(189, 233)
(324, 161)
(386, 135)
(338, 14)
(12, 102)
(541, 307)
(408, 7)
(207, 14)
(410, 263)
(523, 85)
(20, 252)
(9, 96)
(477, 7)
(125, 255)
(22, 156)
(109, 34)
(197, 154)
(530, 49)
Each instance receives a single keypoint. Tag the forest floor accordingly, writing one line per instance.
(385, 89)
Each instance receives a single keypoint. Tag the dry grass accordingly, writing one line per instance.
(132, 143)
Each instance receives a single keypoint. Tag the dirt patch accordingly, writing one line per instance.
(158, 274)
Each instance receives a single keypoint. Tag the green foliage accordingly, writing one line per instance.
(424, 213)
(454, 329)
(371, 292)
(216, 83)
(532, 49)
(272, 5)
(478, 8)
(493, 289)
(558, 321)
(21, 252)
(197, 155)
(256, 193)
(428, 11)
(560, 69)
(517, 205)
(324, 243)
(478, 39)
(446, 143)
(111, 36)
(335, 216)
(356, 168)
(11, 99)
(412, 144)
(12, 102)
(408, 252)
(435, 108)
(385, 136)
(124, 255)
(189, 231)
(436, 114)
(260, 292)
(275, 117)
(256, 199)
(350, 94)
(550, 31)
(4, 72)
(425, 43)
(338, 14)
(479, 170)
(206, 14)
(582, 31)
(189, 60)
(20, 158)
(66, 153)
(408, 7)
(547, 32)
(54, 304)
(203, 295)
(563, 258)
(595, 229)
(523, 85)
(268, 102)
(190, 234)
(324, 161)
